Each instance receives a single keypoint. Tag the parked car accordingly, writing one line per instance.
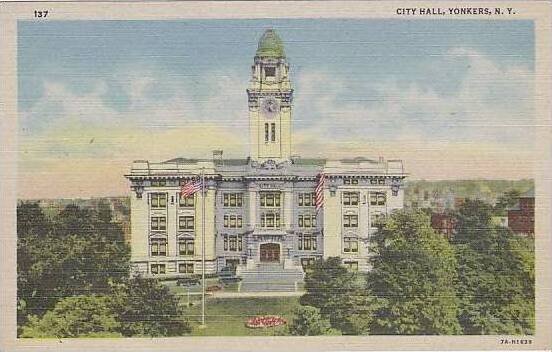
(188, 281)
(227, 275)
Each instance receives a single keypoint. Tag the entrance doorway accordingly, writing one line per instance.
(270, 253)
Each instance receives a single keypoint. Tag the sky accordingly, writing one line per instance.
(453, 99)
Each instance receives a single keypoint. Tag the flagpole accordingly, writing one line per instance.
(203, 246)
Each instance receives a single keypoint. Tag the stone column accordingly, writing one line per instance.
(172, 224)
(252, 207)
(288, 208)
(252, 225)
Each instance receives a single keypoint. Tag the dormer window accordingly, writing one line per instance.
(270, 72)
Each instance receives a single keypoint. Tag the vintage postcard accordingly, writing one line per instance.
(295, 176)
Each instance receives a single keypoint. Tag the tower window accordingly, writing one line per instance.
(270, 71)
(273, 132)
(266, 132)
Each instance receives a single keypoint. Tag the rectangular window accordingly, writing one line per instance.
(307, 242)
(306, 199)
(186, 268)
(233, 221)
(270, 71)
(233, 243)
(381, 199)
(158, 223)
(159, 200)
(185, 202)
(239, 199)
(306, 220)
(185, 222)
(270, 199)
(376, 219)
(266, 132)
(232, 199)
(272, 132)
(186, 246)
(350, 245)
(158, 247)
(157, 269)
(350, 198)
(377, 198)
(350, 220)
(270, 220)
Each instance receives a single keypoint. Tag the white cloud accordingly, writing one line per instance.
(492, 103)
(85, 134)
(474, 132)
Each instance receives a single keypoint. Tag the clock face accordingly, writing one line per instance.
(270, 107)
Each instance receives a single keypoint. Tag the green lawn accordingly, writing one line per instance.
(227, 316)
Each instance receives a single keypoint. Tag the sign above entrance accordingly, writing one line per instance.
(269, 185)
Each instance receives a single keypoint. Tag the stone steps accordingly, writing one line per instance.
(267, 287)
(270, 278)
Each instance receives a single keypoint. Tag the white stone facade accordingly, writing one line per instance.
(260, 208)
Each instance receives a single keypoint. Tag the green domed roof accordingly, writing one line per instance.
(270, 45)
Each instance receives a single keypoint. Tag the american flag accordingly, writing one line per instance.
(191, 187)
(319, 192)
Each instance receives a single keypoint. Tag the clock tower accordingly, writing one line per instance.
(270, 96)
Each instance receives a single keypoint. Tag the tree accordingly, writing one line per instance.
(135, 307)
(76, 253)
(80, 258)
(147, 308)
(75, 220)
(31, 221)
(413, 273)
(308, 322)
(474, 224)
(77, 316)
(32, 228)
(496, 275)
(340, 295)
(507, 200)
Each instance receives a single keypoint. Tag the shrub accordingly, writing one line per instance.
(309, 322)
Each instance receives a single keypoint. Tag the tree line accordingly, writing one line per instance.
(480, 282)
(74, 280)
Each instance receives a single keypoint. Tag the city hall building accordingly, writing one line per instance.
(259, 211)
